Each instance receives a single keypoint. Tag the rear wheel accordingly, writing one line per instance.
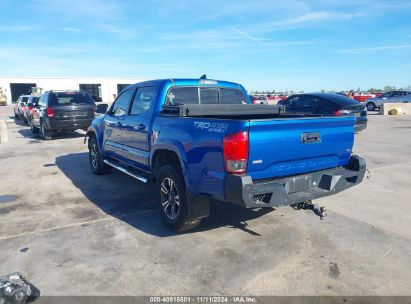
(371, 106)
(175, 211)
(15, 115)
(45, 133)
(96, 158)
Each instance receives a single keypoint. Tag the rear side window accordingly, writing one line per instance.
(182, 95)
(232, 96)
(326, 106)
(24, 99)
(67, 98)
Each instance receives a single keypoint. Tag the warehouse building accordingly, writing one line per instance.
(101, 89)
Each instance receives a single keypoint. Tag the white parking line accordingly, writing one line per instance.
(77, 224)
(3, 132)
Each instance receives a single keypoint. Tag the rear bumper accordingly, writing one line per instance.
(360, 123)
(360, 126)
(242, 191)
(69, 124)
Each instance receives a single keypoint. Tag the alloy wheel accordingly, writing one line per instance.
(170, 200)
(94, 156)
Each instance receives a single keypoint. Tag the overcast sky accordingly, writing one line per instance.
(263, 44)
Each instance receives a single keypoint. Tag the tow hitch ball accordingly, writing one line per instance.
(319, 210)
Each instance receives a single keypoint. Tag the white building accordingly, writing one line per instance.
(101, 89)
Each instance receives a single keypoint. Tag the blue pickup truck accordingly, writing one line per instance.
(202, 139)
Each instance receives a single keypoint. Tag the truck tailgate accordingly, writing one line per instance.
(284, 147)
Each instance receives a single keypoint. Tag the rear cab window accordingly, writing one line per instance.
(181, 95)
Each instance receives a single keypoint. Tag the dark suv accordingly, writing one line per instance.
(62, 110)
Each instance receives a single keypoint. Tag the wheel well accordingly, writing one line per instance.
(90, 134)
(164, 157)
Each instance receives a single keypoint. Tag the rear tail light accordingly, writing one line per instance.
(50, 112)
(236, 152)
(30, 108)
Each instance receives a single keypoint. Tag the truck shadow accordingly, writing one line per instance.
(56, 136)
(134, 203)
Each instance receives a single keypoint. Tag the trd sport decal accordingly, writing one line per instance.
(211, 126)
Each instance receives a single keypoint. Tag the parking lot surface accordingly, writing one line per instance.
(72, 233)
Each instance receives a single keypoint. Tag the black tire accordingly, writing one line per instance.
(45, 133)
(175, 211)
(96, 158)
(34, 130)
(16, 116)
(371, 106)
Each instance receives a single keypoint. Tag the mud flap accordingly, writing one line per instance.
(199, 206)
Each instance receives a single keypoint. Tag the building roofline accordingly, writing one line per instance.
(69, 77)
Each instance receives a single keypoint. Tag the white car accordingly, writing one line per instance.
(389, 97)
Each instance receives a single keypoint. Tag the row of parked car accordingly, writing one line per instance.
(55, 111)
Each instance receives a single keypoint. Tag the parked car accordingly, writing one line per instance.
(388, 97)
(259, 99)
(19, 106)
(62, 110)
(197, 140)
(327, 104)
(28, 109)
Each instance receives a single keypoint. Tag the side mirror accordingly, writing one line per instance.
(101, 108)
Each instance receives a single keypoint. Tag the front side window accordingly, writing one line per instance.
(143, 100)
(388, 94)
(292, 101)
(122, 103)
